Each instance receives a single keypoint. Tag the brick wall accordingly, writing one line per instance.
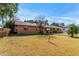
(29, 30)
(21, 29)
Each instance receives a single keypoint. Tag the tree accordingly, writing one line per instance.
(62, 24)
(58, 24)
(8, 10)
(55, 24)
(31, 21)
(25, 21)
(72, 30)
(10, 24)
(46, 22)
(41, 21)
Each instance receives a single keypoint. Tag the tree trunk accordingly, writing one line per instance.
(72, 35)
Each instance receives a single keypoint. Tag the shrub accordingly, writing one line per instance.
(4, 32)
(72, 29)
(10, 24)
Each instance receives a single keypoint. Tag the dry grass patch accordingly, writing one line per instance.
(39, 45)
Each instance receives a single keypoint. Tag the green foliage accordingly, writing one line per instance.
(55, 24)
(10, 24)
(58, 24)
(8, 10)
(72, 30)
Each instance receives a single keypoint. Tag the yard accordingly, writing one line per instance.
(37, 45)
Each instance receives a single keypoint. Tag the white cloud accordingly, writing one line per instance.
(70, 17)
(28, 14)
(63, 19)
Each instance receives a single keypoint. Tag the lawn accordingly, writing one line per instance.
(38, 45)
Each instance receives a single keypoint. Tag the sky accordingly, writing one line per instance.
(55, 12)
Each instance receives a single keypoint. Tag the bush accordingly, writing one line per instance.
(10, 24)
(72, 30)
(4, 32)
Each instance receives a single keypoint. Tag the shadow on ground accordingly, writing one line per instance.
(52, 43)
(76, 37)
(23, 34)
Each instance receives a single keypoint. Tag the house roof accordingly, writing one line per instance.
(34, 24)
(51, 26)
(25, 23)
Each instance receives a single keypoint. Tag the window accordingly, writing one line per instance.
(15, 25)
(25, 28)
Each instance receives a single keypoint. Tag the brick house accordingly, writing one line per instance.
(32, 28)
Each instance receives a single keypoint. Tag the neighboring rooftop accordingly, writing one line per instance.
(52, 26)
